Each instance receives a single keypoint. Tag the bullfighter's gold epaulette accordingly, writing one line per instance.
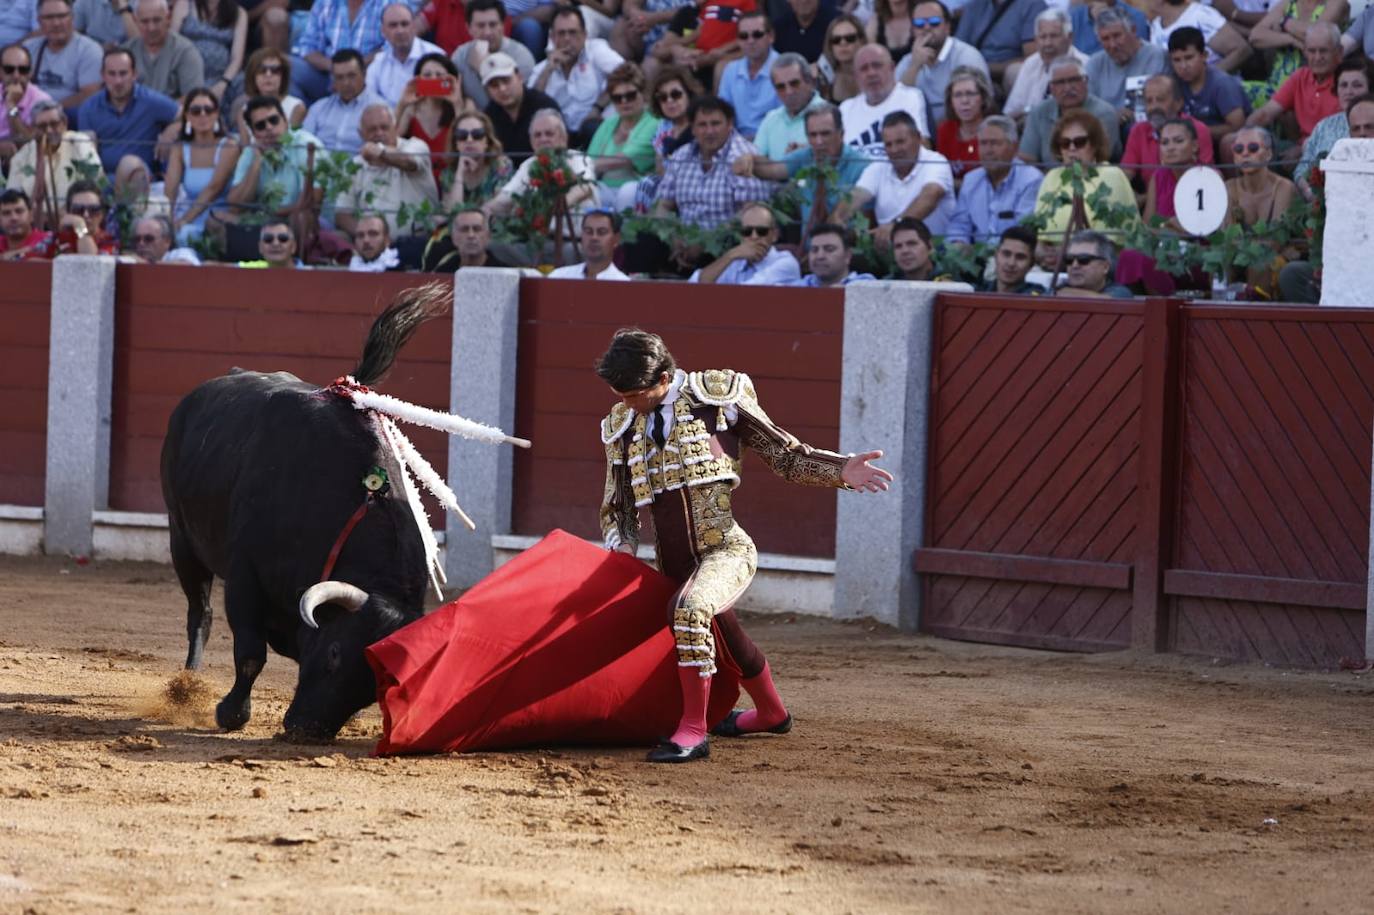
(615, 423)
(720, 387)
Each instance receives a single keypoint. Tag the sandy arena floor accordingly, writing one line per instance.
(922, 776)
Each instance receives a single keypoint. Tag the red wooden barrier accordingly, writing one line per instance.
(176, 327)
(24, 382)
(1194, 478)
(1271, 531)
(788, 340)
(1034, 464)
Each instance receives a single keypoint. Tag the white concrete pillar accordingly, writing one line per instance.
(884, 404)
(1347, 268)
(80, 369)
(486, 309)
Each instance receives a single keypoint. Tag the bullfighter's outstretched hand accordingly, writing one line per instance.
(861, 476)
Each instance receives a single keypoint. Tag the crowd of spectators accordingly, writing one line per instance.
(770, 142)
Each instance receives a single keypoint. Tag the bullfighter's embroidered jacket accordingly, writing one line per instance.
(688, 482)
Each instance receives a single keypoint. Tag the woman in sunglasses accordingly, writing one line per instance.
(268, 73)
(430, 117)
(670, 93)
(622, 149)
(1256, 194)
(199, 168)
(843, 38)
(480, 168)
(82, 228)
(1079, 139)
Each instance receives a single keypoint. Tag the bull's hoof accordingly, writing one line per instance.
(232, 716)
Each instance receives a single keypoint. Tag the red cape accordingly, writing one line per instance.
(565, 644)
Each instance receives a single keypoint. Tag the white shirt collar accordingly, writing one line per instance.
(674, 389)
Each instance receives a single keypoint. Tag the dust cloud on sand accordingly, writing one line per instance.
(187, 699)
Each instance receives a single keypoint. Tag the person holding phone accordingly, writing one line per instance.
(428, 105)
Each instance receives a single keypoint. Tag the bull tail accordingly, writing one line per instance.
(394, 327)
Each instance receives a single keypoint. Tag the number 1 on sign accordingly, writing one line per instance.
(1200, 200)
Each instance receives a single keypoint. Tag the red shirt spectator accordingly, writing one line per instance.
(19, 240)
(1142, 147)
(962, 154)
(37, 245)
(1309, 97)
(447, 20)
(712, 23)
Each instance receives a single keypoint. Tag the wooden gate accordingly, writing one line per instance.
(1271, 527)
(1045, 419)
(1193, 478)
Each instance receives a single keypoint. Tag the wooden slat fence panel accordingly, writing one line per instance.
(1034, 453)
(1271, 525)
(26, 293)
(788, 340)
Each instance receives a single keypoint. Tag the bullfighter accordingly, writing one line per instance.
(673, 445)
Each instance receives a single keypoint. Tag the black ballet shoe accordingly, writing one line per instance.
(730, 726)
(669, 752)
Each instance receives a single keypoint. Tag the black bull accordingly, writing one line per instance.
(261, 473)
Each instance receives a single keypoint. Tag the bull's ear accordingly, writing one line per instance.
(339, 593)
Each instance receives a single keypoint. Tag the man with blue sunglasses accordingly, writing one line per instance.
(935, 55)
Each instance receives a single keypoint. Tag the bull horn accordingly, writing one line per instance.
(331, 592)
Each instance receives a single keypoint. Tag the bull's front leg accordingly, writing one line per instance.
(243, 608)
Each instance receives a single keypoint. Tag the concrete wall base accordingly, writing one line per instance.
(784, 584)
(21, 530)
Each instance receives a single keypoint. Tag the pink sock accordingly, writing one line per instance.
(768, 710)
(696, 690)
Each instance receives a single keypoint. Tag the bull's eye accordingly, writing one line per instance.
(332, 656)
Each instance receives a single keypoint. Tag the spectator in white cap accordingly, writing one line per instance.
(487, 25)
(513, 106)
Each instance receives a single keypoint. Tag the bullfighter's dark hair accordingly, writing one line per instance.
(635, 359)
(394, 326)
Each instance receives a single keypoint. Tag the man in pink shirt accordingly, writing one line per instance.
(1163, 101)
(1310, 93)
(20, 95)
